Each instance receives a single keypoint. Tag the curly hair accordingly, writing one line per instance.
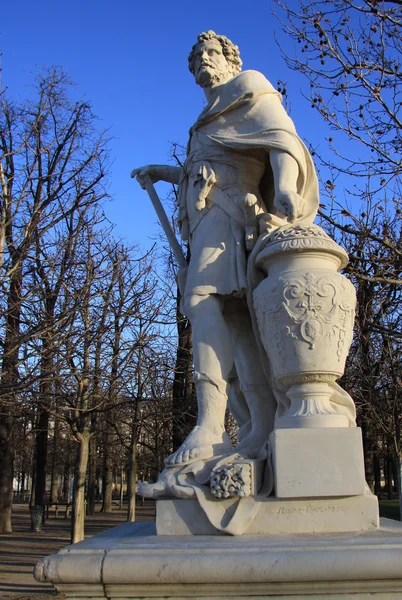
(230, 51)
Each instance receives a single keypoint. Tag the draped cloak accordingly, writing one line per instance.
(246, 114)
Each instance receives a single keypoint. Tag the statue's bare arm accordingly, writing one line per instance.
(157, 173)
(286, 172)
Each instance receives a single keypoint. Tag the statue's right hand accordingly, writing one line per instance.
(147, 172)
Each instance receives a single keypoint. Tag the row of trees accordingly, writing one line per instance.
(87, 359)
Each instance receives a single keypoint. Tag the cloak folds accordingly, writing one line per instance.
(245, 115)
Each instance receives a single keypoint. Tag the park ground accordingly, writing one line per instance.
(21, 550)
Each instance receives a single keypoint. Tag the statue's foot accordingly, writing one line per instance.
(200, 444)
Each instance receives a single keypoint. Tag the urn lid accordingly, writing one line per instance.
(300, 238)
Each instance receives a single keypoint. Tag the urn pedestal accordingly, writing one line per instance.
(318, 463)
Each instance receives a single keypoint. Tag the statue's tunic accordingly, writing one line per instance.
(227, 180)
(217, 231)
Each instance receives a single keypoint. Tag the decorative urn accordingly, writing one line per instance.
(305, 314)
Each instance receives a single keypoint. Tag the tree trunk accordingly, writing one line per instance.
(395, 474)
(6, 476)
(55, 484)
(91, 496)
(22, 489)
(78, 513)
(54, 488)
(41, 458)
(107, 476)
(132, 480)
(377, 475)
(33, 481)
(66, 476)
(368, 451)
(183, 391)
(9, 378)
(121, 489)
(399, 470)
(388, 478)
(42, 434)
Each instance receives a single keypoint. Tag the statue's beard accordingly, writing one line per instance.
(209, 77)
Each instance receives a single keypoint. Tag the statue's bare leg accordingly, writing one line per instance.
(213, 361)
(253, 383)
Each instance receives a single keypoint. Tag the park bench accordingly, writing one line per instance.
(56, 506)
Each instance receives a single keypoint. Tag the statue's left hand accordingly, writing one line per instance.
(141, 174)
(290, 204)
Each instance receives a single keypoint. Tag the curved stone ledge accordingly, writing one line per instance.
(133, 561)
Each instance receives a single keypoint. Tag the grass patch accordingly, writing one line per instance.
(389, 509)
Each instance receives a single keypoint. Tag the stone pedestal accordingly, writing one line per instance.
(317, 463)
(130, 561)
(186, 517)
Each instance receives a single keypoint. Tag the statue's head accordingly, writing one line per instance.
(214, 59)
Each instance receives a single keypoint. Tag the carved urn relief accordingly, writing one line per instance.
(305, 314)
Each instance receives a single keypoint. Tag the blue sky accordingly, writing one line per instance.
(129, 59)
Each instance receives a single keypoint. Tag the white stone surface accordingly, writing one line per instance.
(310, 463)
(305, 314)
(186, 517)
(131, 562)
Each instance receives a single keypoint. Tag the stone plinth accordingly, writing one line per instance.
(317, 463)
(186, 517)
(130, 561)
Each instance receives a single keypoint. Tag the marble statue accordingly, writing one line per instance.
(248, 196)
(272, 324)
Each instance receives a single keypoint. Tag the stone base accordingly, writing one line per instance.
(130, 561)
(311, 463)
(175, 516)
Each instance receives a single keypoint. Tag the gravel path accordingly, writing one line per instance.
(21, 550)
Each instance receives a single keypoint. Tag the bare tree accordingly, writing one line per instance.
(350, 52)
(52, 161)
(115, 290)
(55, 257)
(134, 309)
